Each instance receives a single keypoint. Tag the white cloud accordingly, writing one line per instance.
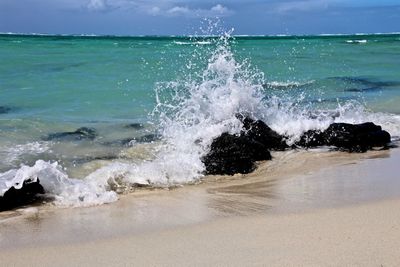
(108, 5)
(97, 5)
(219, 9)
(166, 8)
(302, 6)
(155, 10)
(178, 10)
(215, 11)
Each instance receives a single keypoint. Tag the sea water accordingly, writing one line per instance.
(156, 103)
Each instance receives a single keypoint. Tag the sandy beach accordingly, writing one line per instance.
(199, 133)
(345, 213)
(363, 235)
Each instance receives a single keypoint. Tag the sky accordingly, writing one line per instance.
(179, 17)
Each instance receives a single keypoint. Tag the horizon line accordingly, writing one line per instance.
(198, 35)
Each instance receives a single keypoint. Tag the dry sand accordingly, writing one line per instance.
(363, 235)
(346, 213)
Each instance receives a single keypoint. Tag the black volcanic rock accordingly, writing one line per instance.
(349, 137)
(312, 138)
(83, 133)
(356, 137)
(232, 154)
(258, 131)
(13, 197)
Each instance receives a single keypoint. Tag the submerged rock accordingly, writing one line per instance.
(365, 81)
(364, 89)
(27, 194)
(135, 125)
(147, 138)
(83, 133)
(4, 109)
(363, 84)
(94, 158)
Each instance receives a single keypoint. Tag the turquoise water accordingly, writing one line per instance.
(80, 79)
(53, 84)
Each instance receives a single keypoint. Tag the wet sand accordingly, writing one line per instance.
(302, 208)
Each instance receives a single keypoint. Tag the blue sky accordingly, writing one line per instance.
(165, 17)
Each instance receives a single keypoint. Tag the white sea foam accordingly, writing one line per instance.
(290, 119)
(192, 112)
(193, 43)
(199, 110)
(182, 43)
(356, 41)
(66, 191)
(14, 152)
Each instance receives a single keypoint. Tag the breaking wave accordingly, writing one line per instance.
(191, 112)
(356, 41)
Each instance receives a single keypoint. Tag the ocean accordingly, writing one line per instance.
(93, 117)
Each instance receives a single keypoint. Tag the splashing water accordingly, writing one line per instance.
(66, 191)
(191, 112)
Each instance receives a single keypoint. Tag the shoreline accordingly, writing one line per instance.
(296, 195)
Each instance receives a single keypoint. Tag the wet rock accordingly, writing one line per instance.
(83, 133)
(349, 137)
(312, 138)
(258, 131)
(148, 138)
(232, 154)
(18, 197)
(136, 126)
(356, 137)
